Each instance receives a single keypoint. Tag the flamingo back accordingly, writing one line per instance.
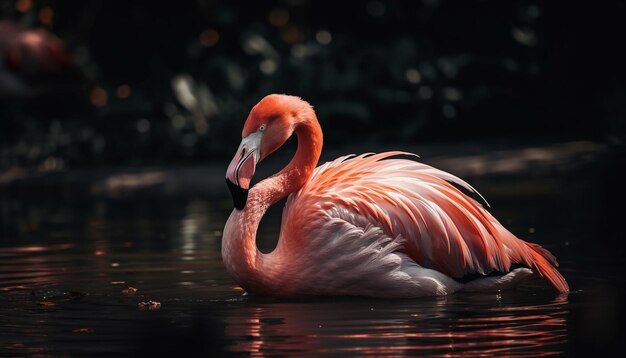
(439, 227)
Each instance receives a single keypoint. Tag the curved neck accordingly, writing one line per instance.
(242, 259)
(292, 177)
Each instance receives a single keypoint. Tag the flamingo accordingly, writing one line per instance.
(370, 225)
(30, 61)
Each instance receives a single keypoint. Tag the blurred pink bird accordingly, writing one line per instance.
(367, 225)
(34, 64)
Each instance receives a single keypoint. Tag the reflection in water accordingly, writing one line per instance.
(434, 326)
(21, 268)
(194, 225)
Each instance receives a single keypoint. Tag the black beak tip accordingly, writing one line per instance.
(240, 195)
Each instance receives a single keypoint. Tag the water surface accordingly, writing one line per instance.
(65, 262)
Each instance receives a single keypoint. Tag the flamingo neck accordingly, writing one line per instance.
(251, 268)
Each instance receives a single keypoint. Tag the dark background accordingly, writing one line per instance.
(377, 72)
(115, 98)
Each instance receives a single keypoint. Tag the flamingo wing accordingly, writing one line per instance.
(440, 227)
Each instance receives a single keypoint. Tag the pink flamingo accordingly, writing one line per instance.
(29, 60)
(368, 225)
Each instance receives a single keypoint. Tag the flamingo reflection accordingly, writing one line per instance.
(430, 327)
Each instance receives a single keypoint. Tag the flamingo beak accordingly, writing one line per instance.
(241, 169)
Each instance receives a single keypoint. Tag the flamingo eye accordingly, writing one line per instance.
(262, 128)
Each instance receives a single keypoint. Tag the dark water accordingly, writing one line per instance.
(62, 260)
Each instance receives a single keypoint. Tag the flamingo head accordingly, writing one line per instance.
(270, 123)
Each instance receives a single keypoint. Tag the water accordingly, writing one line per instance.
(65, 260)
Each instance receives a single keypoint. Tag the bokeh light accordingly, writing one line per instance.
(46, 16)
(23, 5)
(278, 17)
(123, 91)
(209, 38)
(99, 97)
(323, 37)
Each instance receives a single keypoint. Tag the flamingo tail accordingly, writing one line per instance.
(546, 264)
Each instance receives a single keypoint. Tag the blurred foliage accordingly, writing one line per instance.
(171, 82)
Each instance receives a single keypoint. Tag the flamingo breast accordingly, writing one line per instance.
(341, 258)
